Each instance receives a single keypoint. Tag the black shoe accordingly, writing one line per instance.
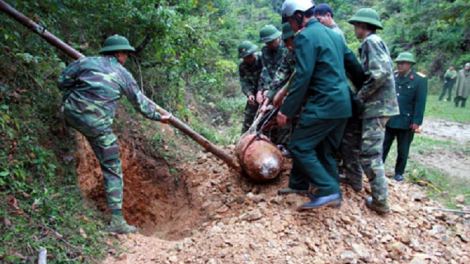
(399, 177)
(332, 200)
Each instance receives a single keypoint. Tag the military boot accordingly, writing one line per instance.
(120, 226)
(356, 186)
(379, 207)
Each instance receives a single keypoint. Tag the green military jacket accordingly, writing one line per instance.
(378, 91)
(322, 58)
(450, 75)
(92, 87)
(282, 74)
(271, 60)
(250, 75)
(411, 91)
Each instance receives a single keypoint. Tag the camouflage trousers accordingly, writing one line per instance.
(361, 151)
(105, 146)
(250, 113)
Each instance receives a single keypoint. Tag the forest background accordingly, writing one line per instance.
(185, 60)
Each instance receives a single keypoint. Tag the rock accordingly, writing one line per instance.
(348, 256)
(396, 250)
(386, 238)
(419, 258)
(255, 198)
(346, 219)
(251, 216)
(398, 209)
(462, 237)
(212, 261)
(361, 251)
(460, 198)
(173, 259)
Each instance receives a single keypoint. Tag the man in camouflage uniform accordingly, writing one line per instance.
(281, 78)
(324, 14)
(363, 138)
(92, 87)
(249, 71)
(271, 58)
(411, 88)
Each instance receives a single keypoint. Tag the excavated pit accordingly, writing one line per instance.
(153, 200)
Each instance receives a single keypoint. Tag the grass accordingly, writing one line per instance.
(439, 185)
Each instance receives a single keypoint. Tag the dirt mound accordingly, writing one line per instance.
(233, 220)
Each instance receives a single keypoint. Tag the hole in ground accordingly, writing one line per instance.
(152, 199)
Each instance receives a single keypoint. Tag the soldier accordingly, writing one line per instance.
(411, 88)
(363, 139)
(449, 81)
(249, 70)
(281, 135)
(462, 87)
(324, 14)
(320, 78)
(92, 87)
(272, 54)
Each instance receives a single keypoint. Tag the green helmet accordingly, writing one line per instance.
(246, 48)
(116, 43)
(367, 15)
(405, 57)
(287, 31)
(268, 33)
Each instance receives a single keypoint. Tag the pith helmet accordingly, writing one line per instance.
(116, 43)
(246, 48)
(367, 15)
(290, 6)
(287, 31)
(268, 33)
(405, 57)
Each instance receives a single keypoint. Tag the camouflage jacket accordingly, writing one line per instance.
(378, 91)
(250, 75)
(282, 74)
(271, 60)
(94, 85)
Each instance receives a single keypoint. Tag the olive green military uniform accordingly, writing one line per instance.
(322, 57)
(449, 81)
(411, 92)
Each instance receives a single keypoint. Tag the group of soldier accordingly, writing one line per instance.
(333, 128)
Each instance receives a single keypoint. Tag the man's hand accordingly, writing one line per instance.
(264, 107)
(279, 97)
(251, 99)
(414, 127)
(259, 97)
(165, 118)
(281, 119)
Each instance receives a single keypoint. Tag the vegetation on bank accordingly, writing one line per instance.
(185, 61)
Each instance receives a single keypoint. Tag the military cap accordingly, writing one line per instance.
(246, 48)
(405, 57)
(287, 31)
(116, 43)
(367, 15)
(268, 33)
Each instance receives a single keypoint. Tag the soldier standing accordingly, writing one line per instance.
(324, 14)
(271, 57)
(363, 139)
(320, 78)
(92, 87)
(411, 88)
(249, 71)
(449, 81)
(462, 87)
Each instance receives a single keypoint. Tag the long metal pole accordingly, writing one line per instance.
(54, 41)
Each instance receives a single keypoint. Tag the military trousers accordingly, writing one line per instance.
(250, 113)
(362, 153)
(404, 138)
(447, 88)
(105, 146)
(313, 146)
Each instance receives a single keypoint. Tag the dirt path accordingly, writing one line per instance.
(453, 160)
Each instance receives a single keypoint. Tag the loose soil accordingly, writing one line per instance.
(213, 215)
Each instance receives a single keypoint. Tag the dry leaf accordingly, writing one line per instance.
(6, 222)
(82, 233)
(13, 202)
